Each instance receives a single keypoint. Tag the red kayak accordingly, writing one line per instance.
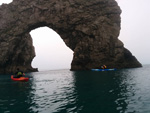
(25, 79)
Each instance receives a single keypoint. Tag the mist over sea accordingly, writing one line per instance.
(65, 91)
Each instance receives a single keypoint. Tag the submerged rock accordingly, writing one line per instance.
(88, 27)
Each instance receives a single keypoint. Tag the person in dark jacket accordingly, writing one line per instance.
(18, 73)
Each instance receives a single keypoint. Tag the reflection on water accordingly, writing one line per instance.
(100, 92)
(64, 91)
(14, 96)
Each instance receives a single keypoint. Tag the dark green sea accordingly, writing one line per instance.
(65, 91)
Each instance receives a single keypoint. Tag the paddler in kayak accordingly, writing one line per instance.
(103, 66)
(18, 73)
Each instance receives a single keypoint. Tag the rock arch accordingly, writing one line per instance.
(89, 27)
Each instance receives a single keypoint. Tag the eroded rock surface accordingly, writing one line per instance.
(89, 27)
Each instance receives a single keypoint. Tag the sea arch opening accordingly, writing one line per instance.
(51, 51)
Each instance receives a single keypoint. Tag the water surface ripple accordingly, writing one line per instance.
(64, 91)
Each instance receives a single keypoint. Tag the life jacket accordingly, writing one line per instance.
(19, 73)
(105, 66)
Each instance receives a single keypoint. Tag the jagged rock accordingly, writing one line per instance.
(89, 27)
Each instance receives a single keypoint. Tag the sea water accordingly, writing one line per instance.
(65, 91)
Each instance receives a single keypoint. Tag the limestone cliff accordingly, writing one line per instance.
(89, 27)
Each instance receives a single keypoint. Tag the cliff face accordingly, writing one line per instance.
(89, 27)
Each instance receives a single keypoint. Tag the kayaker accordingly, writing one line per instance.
(104, 67)
(18, 73)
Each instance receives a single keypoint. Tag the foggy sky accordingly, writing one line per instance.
(52, 53)
(135, 28)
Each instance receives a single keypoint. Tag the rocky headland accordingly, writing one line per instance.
(90, 28)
